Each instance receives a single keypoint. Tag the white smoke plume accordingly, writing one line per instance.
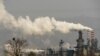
(39, 26)
(8, 48)
(67, 46)
(33, 50)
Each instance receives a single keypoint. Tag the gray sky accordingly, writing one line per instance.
(86, 12)
(61, 8)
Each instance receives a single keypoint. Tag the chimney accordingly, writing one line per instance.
(80, 34)
(80, 44)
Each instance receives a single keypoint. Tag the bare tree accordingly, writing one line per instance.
(16, 45)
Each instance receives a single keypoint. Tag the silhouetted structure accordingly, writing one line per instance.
(90, 49)
(80, 44)
(61, 48)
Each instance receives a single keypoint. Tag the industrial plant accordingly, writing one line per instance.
(45, 25)
(90, 49)
(81, 49)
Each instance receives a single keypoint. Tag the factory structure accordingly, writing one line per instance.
(81, 49)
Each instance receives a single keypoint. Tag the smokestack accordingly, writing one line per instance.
(80, 34)
(80, 40)
(92, 35)
(80, 43)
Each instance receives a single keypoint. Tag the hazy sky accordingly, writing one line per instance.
(58, 8)
(86, 12)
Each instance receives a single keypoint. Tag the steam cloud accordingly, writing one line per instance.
(39, 26)
(67, 45)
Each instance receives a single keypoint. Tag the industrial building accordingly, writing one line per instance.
(81, 49)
